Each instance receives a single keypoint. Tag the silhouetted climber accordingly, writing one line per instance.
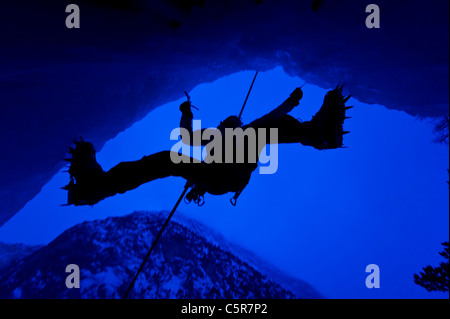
(89, 184)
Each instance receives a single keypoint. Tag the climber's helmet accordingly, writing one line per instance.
(230, 122)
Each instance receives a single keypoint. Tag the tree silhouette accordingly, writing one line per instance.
(441, 129)
(435, 278)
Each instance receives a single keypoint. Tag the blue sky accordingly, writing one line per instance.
(323, 217)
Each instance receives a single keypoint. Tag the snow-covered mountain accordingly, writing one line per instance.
(11, 253)
(189, 261)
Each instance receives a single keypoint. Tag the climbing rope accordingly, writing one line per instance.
(186, 187)
(246, 98)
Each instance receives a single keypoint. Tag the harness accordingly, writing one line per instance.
(233, 200)
(197, 195)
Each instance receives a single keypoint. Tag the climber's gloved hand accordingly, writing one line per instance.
(296, 95)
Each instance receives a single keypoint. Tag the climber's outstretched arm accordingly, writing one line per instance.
(188, 136)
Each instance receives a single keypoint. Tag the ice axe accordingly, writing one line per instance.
(189, 100)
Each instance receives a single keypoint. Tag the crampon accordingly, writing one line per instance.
(86, 186)
(329, 120)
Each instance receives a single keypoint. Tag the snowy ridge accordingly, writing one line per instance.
(299, 287)
(184, 264)
(11, 253)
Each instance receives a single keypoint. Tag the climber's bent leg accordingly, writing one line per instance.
(90, 184)
(324, 131)
(129, 175)
(310, 133)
